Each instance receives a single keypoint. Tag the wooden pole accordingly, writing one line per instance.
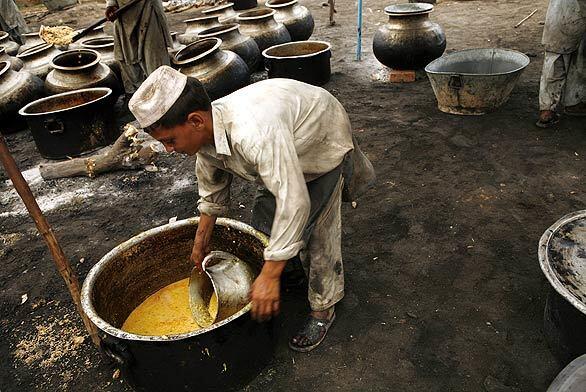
(61, 262)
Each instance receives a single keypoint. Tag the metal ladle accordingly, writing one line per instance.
(225, 275)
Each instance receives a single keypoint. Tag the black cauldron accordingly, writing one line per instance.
(72, 123)
(223, 357)
(306, 61)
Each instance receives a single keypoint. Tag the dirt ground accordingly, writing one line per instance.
(444, 290)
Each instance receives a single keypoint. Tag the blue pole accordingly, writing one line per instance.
(359, 32)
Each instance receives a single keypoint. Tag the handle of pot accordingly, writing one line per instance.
(116, 351)
(54, 126)
(455, 82)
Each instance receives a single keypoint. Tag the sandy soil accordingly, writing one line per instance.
(444, 291)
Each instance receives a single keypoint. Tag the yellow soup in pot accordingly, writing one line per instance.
(166, 312)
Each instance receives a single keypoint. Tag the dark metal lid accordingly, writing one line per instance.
(408, 9)
(562, 256)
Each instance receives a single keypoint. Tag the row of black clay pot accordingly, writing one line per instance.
(296, 19)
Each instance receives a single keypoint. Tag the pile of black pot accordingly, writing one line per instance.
(64, 95)
(224, 47)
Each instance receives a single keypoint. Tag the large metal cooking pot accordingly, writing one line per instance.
(11, 46)
(475, 81)
(220, 71)
(72, 123)
(78, 69)
(37, 59)
(16, 90)
(409, 40)
(224, 12)
(296, 18)
(97, 32)
(261, 26)
(241, 5)
(195, 25)
(562, 258)
(176, 46)
(30, 40)
(233, 40)
(105, 47)
(15, 63)
(306, 61)
(222, 357)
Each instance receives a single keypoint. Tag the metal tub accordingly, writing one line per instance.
(475, 81)
(223, 357)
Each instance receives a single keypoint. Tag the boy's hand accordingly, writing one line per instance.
(110, 13)
(202, 239)
(266, 291)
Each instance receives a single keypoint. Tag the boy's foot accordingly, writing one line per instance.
(547, 119)
(313, 332)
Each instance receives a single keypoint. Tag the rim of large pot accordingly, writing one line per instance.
(91, 277)
(217, 42)
(408, 9)
(201, 18)
(217, 8)
(218, 30)
(38, 48)
(266, 54)
(521, 67)
(261, 13)
(103, 42)
(4, 67)
(546, 264)
(3, 35)
(73, 52)
(31, 35)
(106, 90)
(280, 3)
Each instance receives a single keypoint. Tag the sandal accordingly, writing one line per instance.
(554, 119)
(312, 334)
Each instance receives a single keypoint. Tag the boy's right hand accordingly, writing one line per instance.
(197, 256)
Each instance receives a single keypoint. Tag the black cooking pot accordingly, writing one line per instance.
(223, 357)
(306, 61)
(72, 123)
(240, 5)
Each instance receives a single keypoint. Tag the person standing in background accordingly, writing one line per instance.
(563, 79)
(11, 21)
(141, 38)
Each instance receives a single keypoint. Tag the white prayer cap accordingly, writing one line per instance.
(156, 95)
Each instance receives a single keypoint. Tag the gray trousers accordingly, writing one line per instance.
(563, 80)
(322, 255)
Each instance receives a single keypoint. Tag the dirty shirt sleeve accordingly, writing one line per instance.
(278, 166)
(213, 186)
(111, 3)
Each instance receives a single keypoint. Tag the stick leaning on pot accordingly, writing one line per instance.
(59, 258)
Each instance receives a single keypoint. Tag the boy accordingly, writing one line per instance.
(292, 139)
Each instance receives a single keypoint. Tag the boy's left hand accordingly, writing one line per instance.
(266, 291)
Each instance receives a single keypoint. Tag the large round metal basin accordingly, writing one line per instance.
(475, 81)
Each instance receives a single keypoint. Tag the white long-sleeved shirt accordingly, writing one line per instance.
(280, 133)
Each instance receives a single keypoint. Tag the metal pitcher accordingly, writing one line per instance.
(225, 275)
